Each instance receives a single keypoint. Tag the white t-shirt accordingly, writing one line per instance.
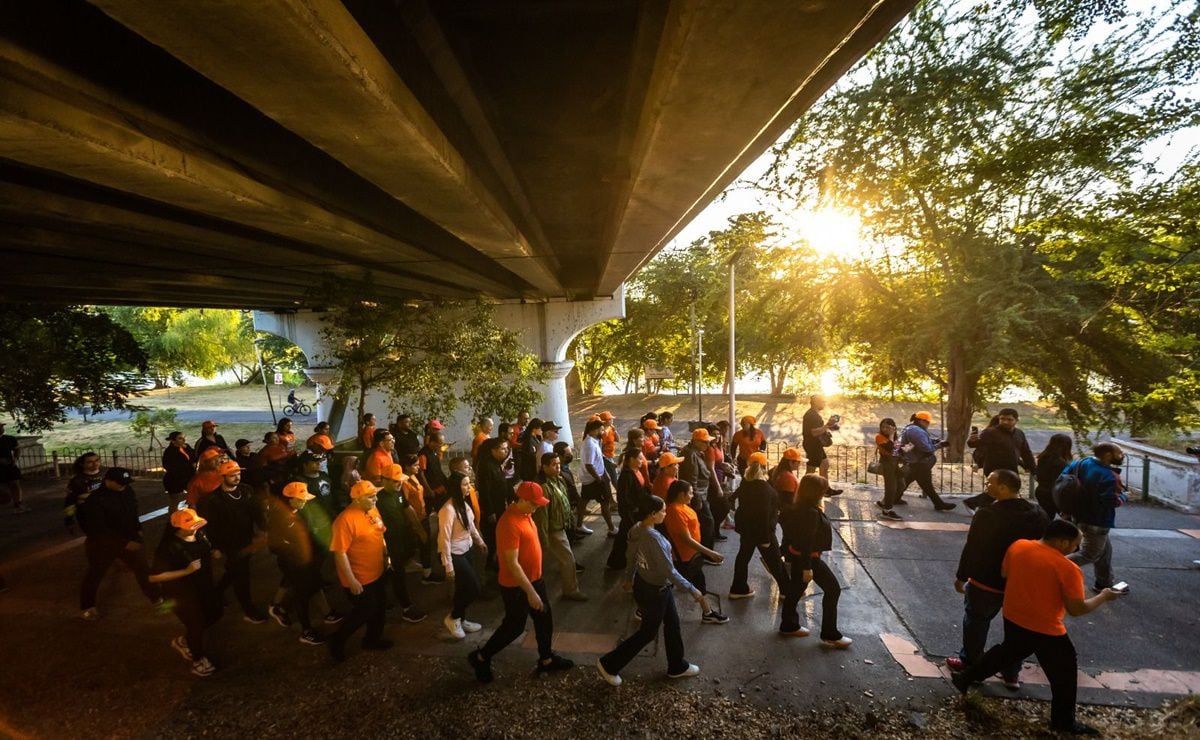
(590, 454)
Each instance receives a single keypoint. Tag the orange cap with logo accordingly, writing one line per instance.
(364, 488)
(229, 467)
(299, 490)
(792, 453)
(667, 459)
(187, 519)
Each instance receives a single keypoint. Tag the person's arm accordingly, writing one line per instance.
(660, 554)
(1080, 607)
(974, 538)
(342, 561)
(175, 575)
(509, 559)
(1027, 460)
(713, 555)
(446, 516)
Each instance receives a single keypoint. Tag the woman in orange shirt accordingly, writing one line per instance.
(483, 430)
(887, 449)
(683, 529)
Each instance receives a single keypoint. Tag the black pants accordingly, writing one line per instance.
(704, 513)
(824, 577)
(772, 560)
(516, 611)
(399, 580)
(893, 481)
(693, 571)
(658, 609)
(1055, 654)
(100, 557)
(718, 506)
(369, 608)
(466, 583)
(922, 473)
(197, 612)
(616, 556)
(237, 573)
(304, 581)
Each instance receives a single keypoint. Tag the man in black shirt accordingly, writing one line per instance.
(494, 491)
(234, 518)
(10, 472)
(407, 441)
(817, 436)
(109, 518)
(319, 484)
(1001, 447)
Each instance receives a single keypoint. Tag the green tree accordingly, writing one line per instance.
(278, 354)
(149, 422)
(428, 356)
(176, 341)
(956, 139)
(64, 357)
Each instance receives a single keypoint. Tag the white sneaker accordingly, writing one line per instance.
(611, 679)
(585, 529)
(181, 647)
(90, 614)
(203, 667)
(840, 644)
(454, 627)
(691, 670)
(469, 626)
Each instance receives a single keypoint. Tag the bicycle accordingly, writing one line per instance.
(299, 407)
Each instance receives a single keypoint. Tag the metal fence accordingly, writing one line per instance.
(58, 463)
(848, 464)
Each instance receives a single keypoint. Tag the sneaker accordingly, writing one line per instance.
(469, 626)
(735, 596)
(280, 615)
(454, 627)
(378, 645)
(797, 632)
(881, 505)
(255, 618)
(575, 596)
(203, 667)
(578, 568)
(612, 679)
(432, 580)
(1078, 728)
(900, 502)
(181, 647)
(482, 667)
(554, 663)
(333, 618)
(714, 617)
(706, 561)
(1012, 683)
(311, 637)
(945, 506)
(960, 681)
(890, 514)
(956, 664)
(727, 525)
(839, 644)
(637, 614)
(691, 670)
(719, 537)
(584, 530)
(91, 614)
(413, 614)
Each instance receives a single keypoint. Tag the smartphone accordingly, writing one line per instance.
(1121, 588)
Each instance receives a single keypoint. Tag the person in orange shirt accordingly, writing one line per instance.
(320, 441)
(516, 429)
(206, 479)
(608, 444)
(746, 441)
(683, 530)
(1042, 587)
(521, 586)
(366, 431)
(651, 443)
(783, 478)
(286, 436)
(361, 559)
(380, 459)
(668, 471)
(483, 430)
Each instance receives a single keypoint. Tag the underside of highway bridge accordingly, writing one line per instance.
(530, 152)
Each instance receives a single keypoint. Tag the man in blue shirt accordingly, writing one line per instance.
(1100, 478)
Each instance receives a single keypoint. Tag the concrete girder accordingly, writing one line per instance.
(308, 65)
(93, 142)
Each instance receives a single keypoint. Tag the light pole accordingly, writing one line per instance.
(732, 338)
(266, 388)
(699, 374)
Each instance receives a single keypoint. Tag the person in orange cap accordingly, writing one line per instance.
(109, 518)
(746, 441)
(651, 444)
(206, 479)
(210, 438)
(920, 455)
(360, 552)
(695, 469)
(235, 521)
(608, 446)
(183, 569)
(292, 543)
(668, 473)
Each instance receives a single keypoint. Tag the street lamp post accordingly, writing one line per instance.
(732, 339)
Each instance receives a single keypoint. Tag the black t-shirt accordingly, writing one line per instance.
(174, 553)
(8, 448)
(812, 420)
(407, 442)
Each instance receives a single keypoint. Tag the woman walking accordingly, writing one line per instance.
(633, 491)
(758, 515)
(1050, 464)
(807, 533)
(183, 567)
(887, 448)
(651, 575)
(683, 530)
(457, 539)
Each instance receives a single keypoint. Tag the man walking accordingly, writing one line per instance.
(109, 518)
(1042, 586)
(695, 470)
(978, 578)
(360, 554)
(234, 517)
(521, 586)
(594, 477)
(920, 454)
(1100, 478)
(817, 434)
(1001, 447)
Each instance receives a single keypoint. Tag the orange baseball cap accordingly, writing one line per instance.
(650, 424)
(299, 490)
(792, 453)
(605, 416)
(758, 457)
(594, 417)
(364, 488)
(229, 467)
(187, 519)
(321, 440)
(924, 416)
(667, 458)
(395, 472)
(701, 435)
(211, 452)
(532, 492)
(749, 420)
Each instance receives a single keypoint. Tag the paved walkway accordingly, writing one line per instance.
(899, 606)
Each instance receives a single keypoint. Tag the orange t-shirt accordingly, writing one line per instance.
(201, 485)
(650, 446)
(661, 484)
(359, 534)
(379, 461)
(514, 435)
(747, 444)
(367, 437)
(414, 494)
(682, 519)
(608, 442)
(1040, 580)
(479, 439)
(475, 503)
(516, 531)
(786, 482)
(287, 439)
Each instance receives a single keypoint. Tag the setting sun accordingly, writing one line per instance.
(830, 232)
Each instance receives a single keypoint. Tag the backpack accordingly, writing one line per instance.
(1068, 490)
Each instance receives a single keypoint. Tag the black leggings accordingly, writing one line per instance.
(772, 560)
(466, 583)
(516, 611)
(824, 577)
(693, 571)
(658, 609)
(100, 556)
(303, 580)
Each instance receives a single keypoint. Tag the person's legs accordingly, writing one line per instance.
(1056, 655)
(360, 612)
(651, 600)
(672, 637)
(239, 572)
(693, 571)
(980, 607)
(616, 556)
(100, 556)
(773, 562)
(828, 582)
(923, 474)
(741, 567)
(190, 613)
(1096, 548)
(707, 525)
(1019, 643)
(789, 620)
(560, 550)
(718, 504)
(466, 584)
(376, 611)
(516, 611)
(304, 582)
(399, 581)
(135, 560)
(891, 483)
(543, 622)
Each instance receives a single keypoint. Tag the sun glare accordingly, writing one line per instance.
(829, 383)
(831, 232)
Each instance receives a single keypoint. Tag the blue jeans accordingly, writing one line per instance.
(980, 607)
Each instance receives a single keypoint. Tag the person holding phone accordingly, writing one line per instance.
(818, 434)
(183, 568)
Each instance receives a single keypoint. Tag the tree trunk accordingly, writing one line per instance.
(959, 406)
(362, 400)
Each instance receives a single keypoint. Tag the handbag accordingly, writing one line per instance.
(875, 467)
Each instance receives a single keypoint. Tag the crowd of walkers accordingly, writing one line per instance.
(347, 529)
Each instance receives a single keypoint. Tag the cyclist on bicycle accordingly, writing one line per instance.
(292, 397)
